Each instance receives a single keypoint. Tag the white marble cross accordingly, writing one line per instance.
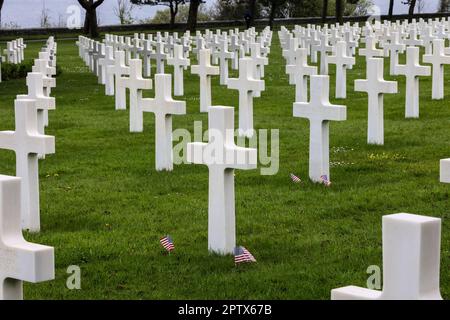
(289, 54)
(376, 87)
(11, 54)
(19, 260)
(258, 60)
(299, 72)
(371, 50)
(159, 56)
(412, 40)
(108, 72)
(438, 59)
(179, 62)
(224, 55)
(342, 62)
(393, 48)
(119, 69)
(35, 84)
(411, 261)
(205, 71)
(427, 37)
(27, 143)
(247, 85)
(199, 45)
(350, 43)
(320, 112)
(135, 84)
(42, 67)
(146, 52)
(324, 49)
(127, 48)
(163, 106)
(412, 70)
(222, 156)
(238, 51)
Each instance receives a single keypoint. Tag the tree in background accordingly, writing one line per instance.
(391, 9)
(235, 9)
(420, 6)
(274, 9)
(412, 6)
(252, 12)
(45, 17)
(172, 4)
(302, 8)
(361, 8)
(324, 10)
(444, 6)
(339, 11)
(90, 21)
(124, 11)
(193, 15)
(162, 16)
(1, 6)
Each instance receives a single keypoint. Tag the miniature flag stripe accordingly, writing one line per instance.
(243, 255)
(295, 178)
(167, 243)
(325, 180)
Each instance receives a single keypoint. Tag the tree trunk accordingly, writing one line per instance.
(90, 21)
(252, 9)
(173, 14)
(391, 9)
(193, 13)
(339, 11)
(412, 6)
(273, 11)
(93, 27)
(324, 11)
(86, 23)
(443, 6)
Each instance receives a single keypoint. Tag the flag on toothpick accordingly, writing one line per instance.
(325, 180)
(295, 178)
(167, 243)
(242, 255)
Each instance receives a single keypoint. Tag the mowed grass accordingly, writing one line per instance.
(104, 207)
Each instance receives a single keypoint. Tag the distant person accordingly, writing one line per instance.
(248, 18)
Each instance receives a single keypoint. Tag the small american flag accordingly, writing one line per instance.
(295, 178)
(325, 180)
(167, 243)
(242, 255)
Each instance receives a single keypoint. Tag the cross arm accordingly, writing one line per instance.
(176, 107)
(35, 262)
(41, 144)
(42, 103)
(388, 87)
(240, 157)
(195, 152)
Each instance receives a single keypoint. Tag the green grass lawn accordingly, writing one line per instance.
(104, 207)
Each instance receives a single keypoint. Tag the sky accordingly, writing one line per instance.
(27, 13)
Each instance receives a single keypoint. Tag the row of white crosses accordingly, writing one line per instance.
(221, 120)
(405, 276)
(113, 66)
(15, 51)
(19, 196)
(374, 85)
